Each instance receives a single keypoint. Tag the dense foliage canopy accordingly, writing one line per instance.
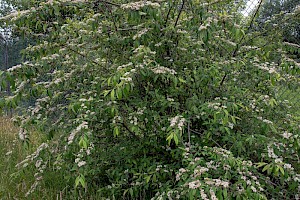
(157, 99)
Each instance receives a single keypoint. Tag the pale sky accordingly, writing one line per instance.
(251, 4)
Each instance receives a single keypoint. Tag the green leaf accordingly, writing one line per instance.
(154, 178)
(147, 178)
(45, 26)
(225, 193)
(119, 93)
(281, 169)
(176, 140)
(170, 137)
(131, 192)
(116, 131)
(83, 143)
(56, 10)
(266, 168)
(181, 80)
(106, 92)
(77, 181)
(261, 164)
(233, 119)
(112, 95)
(108, 81)
(82, 181)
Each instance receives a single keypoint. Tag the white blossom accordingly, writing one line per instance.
(139, 4)
(81, 163)
(177, 120)
(194, 184)
(287, 135)
(163, 70)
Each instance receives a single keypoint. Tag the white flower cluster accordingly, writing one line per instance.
(79, 162)
(139, 4)
(41, 46)
(8, 153)
(203, 194)
(83, 125)
(124, 66)
(180, 173)
(194, 184)
(141, 111)
(265, 120)
(269, 67)
(250, 48)
(79, 158)
(23, 134)
(198, 171)
(21, 86)
(158, 44)
(177, 120)
(17, 14)
(182, 31)
(286, 135)
(33, 156)
(216, 182)
(50, 58)
(116, 119)
(271, 153)
(225, 153)
(32, 188)
(170, 194)
(140, 33)
(90, 148)
(133, 120)
(126, 76)
(251, 180)
(212, 194)
(170, 99)
(162, 168)
(230, 125)
(14, 68)
(163, 70)
(288, 167)
(202, 27)
(206, 24)
(228, 42)
(214, 105)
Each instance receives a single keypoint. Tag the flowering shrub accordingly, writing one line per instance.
(150, 100)
(214, 173)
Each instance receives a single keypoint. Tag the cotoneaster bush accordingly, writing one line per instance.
(156, 100)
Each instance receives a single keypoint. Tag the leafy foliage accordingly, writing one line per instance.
(156, 99)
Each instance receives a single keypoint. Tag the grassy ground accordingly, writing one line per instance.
(8, 187)
(15, 183)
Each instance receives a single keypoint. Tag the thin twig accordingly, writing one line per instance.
(131, 133)
(250, 26)
(180, 11)
(110, 3)
(234, 53)
(83, 55)
(167, 18)
(210, 138)
(189, 134)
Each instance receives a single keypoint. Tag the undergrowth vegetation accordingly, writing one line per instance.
(14, 183)
(155, 100)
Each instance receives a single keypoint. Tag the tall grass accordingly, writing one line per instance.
(14, 183)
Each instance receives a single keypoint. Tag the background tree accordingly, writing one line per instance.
(290, 29)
